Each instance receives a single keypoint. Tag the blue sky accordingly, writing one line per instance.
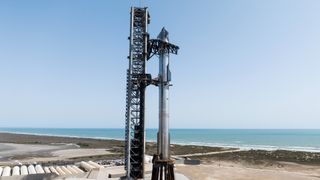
(242, 64)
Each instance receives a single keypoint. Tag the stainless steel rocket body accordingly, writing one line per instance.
(164, 78)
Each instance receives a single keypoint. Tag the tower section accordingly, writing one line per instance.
(135, 93)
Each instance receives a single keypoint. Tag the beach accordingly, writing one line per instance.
(216, 162)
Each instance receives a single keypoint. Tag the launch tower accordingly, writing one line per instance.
(135, 95)
(141, 49)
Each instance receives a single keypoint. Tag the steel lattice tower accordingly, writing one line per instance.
(141, 48)
(135, 95)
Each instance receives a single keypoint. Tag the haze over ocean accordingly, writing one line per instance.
(294, 139)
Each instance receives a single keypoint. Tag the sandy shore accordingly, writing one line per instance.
(216, 162)
(237, 171)
(13, 154)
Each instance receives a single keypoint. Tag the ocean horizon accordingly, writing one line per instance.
(264, 139)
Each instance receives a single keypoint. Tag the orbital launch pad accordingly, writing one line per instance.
(141, 49)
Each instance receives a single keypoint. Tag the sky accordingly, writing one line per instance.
(241, 64)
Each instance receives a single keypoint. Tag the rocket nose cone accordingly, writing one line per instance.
(164, 35)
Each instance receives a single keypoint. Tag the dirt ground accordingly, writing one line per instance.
(237, 171)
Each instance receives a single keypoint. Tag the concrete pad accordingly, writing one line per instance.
(179, 176)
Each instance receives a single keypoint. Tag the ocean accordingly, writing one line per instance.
(268, 139)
